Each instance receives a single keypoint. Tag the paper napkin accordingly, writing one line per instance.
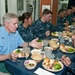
(41, 71)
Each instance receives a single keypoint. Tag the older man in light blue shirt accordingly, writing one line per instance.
(9, 42)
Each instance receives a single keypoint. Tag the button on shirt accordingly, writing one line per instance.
(9, 42)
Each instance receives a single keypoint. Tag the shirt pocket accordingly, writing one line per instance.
(1, 46)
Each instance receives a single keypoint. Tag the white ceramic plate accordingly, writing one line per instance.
(20, 54)
(52, 70)
(54, 33)
(67, 47)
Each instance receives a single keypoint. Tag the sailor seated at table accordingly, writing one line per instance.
(69, 16)
(70, 63)
(25, 28)
(61, 20)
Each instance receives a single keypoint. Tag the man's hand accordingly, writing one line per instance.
(13, 56)
(67, 28)
(73, 40)
(66, 60)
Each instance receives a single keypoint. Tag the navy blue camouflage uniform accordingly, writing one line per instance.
(26, 33)
(39, 28)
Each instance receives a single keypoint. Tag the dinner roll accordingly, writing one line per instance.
(46, 61)
(62, 46)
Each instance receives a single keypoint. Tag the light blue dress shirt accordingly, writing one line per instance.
(9, 42)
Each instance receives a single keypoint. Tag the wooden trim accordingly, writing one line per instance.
(54, 8)
(55, 11)
(44, 2)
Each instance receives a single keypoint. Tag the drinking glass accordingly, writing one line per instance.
(62, 40)
(45, 42)
(59, 35)
(48, 53)
(26, 51)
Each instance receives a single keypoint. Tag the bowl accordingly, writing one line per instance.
(37, 57)
(35, 51)
(38, 49)
(55, 39)
(48, 48)
(53, 44)
(30, 64)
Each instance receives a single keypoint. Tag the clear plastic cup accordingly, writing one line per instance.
(26, 51)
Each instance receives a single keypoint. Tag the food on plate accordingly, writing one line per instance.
(67, 33)
(54, 33)
(46, 61)
(62, 46)
(67, 49)
(37, 57)
(30, 64)
(57, 67)
(70, 50)
(52, 65)
(19, 52)
(39, 40)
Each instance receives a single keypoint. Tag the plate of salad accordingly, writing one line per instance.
(53, 66)
(68, 49)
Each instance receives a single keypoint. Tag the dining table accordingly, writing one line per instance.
(17, 67)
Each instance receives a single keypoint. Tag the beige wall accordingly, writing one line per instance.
(2, 10)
